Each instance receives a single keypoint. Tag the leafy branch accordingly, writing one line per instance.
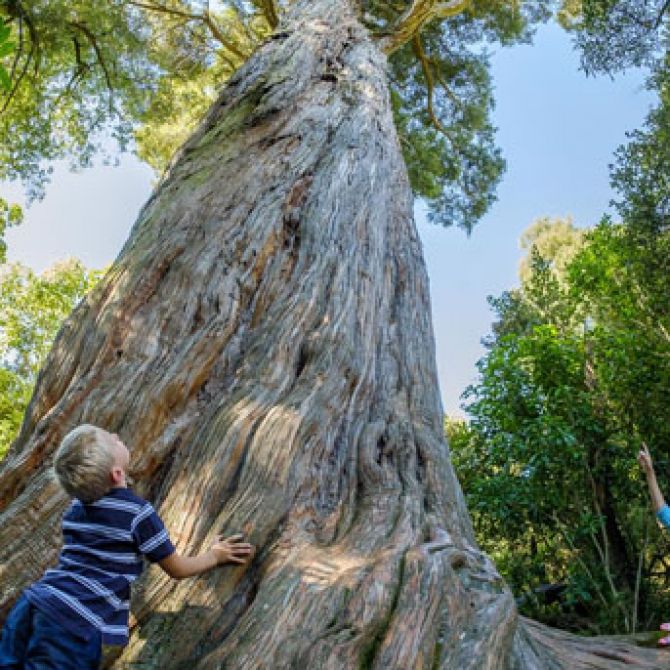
(6, 48)
(417, 15)
(205, 17)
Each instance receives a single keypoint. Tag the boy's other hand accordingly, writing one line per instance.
(232, 550)
(644, 459)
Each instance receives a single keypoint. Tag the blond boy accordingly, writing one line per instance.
(61, 621)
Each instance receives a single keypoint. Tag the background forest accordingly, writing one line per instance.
(576, 373)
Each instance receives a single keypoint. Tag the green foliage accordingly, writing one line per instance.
(142, 72)
(448, 142)
(32, 308)
(641, 173)
(173, 113)
(623, 279)
(7, 46)
(576, 375)
(196, 59)
(81, 71)
(85, 73)
(613, 35)
(10, 215)
(443, 98)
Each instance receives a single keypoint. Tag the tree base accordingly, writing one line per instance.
(543, 648)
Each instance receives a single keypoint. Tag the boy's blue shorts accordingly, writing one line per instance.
(31, 640)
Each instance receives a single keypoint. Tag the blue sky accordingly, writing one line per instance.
(557, 129)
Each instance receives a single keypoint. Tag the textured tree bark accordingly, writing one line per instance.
(264, 344)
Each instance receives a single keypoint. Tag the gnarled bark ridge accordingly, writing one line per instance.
(264, 344)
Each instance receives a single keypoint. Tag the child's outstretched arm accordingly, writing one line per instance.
(644, 459)
(230, 550)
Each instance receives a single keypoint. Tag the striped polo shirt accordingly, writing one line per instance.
(104, 546)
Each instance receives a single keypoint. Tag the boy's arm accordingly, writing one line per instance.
(644, 459)
(230, 550)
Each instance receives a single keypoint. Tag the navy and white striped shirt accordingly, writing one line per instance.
(104, 543)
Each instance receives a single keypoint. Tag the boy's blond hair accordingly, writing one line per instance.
(83, 463)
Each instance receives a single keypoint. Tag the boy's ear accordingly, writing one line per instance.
(116, 475)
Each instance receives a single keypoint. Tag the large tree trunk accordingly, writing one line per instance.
(264, 345)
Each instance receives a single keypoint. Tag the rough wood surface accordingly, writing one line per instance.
(264, 345)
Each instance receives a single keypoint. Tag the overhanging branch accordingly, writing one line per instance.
(19, 51)
(269, 9)
(32, 54)
(214, 29)
(418, 14)
(98, 53)
(205, 18)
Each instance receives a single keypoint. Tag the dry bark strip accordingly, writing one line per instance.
(264, 344)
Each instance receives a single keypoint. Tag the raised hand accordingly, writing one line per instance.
(644, 459)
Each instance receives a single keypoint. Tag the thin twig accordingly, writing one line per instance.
(638, 575)
(94, 43)
(430, 84)
(566, 537)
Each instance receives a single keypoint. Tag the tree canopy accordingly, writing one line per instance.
(613, 35)
(85, 76)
